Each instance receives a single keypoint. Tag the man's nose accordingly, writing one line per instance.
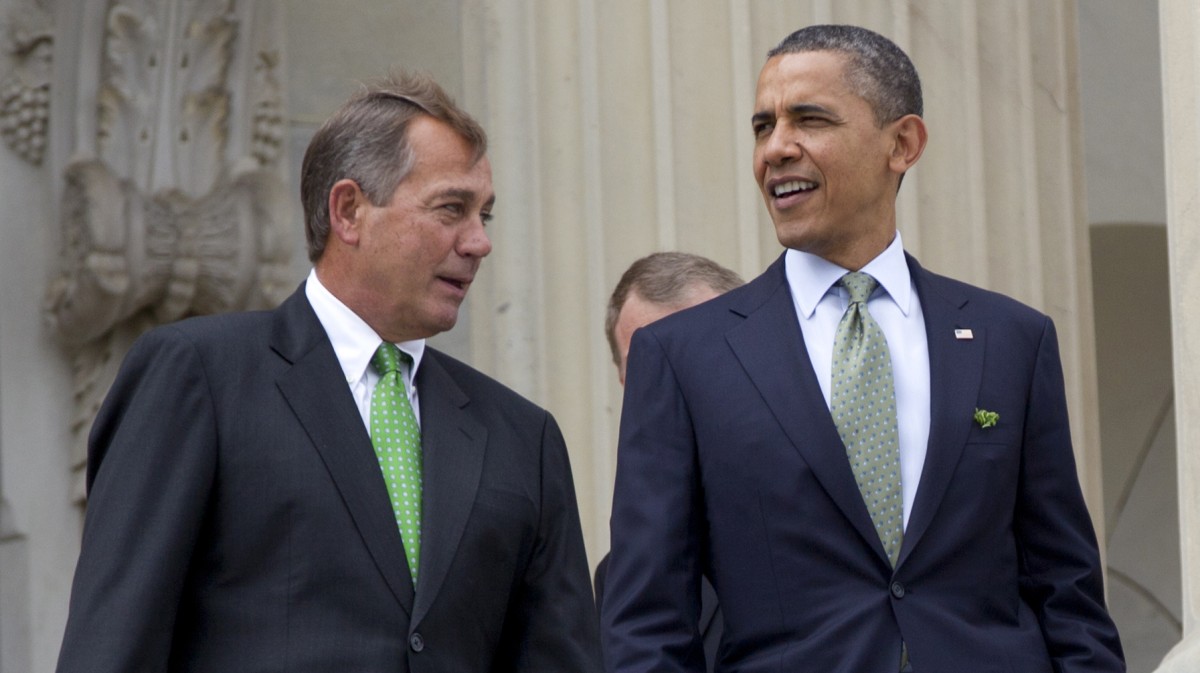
(781, 146)
(475, 241)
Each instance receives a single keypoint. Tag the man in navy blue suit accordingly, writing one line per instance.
(962, 542)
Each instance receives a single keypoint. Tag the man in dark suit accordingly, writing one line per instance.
(874, 468)
(652, 288)
(249, 508)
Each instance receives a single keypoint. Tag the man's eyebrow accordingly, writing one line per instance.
(801, 109)
(796, 110)
(462, 194)
(759, 117)
(465, 196)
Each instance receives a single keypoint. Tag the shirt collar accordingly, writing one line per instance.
(354, 342)
(810, 277)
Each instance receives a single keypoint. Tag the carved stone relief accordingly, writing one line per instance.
(27, 40)
(174, 202)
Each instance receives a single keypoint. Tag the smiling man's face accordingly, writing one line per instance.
(822, 161)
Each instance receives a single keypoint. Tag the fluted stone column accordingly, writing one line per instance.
(1000, 203)
(1180, 31)
(623, 128)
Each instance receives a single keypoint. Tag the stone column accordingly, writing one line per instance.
(14, 575)
(1000, 202)
(38, 522)
(1180, 30)
(619, 129)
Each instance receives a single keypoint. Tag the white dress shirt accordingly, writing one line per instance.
(355, 343)
(820, 304)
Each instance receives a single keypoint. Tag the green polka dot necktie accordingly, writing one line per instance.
(864, 409)
(397, 440)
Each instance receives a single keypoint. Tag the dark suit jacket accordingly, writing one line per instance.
(729, 464)
(238, 520)
(710, 623)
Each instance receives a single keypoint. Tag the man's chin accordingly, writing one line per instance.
(795, 236)
(446, 321)
(425, 326)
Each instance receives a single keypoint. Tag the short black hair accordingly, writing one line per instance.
(877, 70)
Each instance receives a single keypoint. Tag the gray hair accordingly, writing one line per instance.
(664, 278)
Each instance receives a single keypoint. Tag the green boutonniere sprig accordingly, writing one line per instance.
(985, 418)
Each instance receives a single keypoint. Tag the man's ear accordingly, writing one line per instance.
(346, 210)
(908, 142)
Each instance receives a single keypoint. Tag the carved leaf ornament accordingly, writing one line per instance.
(174, 201)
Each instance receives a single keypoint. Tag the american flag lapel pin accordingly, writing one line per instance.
(964, 334)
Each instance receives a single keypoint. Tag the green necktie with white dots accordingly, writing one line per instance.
(864, 409)
(397, 440)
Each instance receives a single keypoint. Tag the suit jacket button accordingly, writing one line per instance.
(416, 642)
(897, 590)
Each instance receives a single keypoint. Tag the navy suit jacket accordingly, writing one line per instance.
(730, 465)
(238, 520)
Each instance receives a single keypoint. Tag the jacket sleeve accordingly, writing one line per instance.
(1060, 571)
(552, 619)
(151, 464)
(651, 607)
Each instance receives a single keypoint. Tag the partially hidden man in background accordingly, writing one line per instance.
(653, 287)
(872, 463)
(314, 488)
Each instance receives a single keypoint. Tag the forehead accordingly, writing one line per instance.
(433, 140)
(637, 312)
(443, 155)
(803, 77)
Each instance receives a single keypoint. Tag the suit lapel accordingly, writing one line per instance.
(770, 347)
(315, 388)
(453, 448)
(955, 373)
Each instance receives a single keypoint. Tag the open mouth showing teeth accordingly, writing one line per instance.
(793, 187)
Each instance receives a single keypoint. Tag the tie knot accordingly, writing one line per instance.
(387, 358)
(859, 285)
